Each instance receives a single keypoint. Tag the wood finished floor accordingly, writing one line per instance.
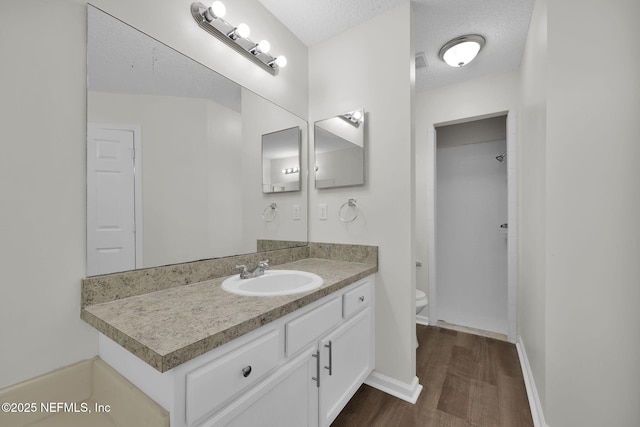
(468, 381)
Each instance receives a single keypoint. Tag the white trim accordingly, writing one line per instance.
(431, 220)
(530, 385)
(422, 320)
(512, 220)
(406, 392)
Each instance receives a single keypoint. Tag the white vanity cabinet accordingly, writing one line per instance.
(299, 370)
(347, 360)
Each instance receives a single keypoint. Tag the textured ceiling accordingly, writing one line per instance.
(121, 59)
(504, 23)
(313, 21)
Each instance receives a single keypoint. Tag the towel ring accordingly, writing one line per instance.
(273, 209)
(349, 203)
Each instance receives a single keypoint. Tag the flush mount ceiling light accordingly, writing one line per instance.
(237, 37)
(462, 50)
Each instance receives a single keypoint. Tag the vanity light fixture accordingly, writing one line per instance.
(237, 37)
(462, 50)
(290, 170)
(353, 117)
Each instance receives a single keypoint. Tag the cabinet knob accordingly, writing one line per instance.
(246, 371)
(361, 298)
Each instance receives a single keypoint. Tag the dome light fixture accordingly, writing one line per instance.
(462, 50)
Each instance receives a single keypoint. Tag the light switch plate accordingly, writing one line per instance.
(322, 211)
(296, 212)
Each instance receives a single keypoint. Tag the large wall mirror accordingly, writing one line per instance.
(339, 150)
(174, 164)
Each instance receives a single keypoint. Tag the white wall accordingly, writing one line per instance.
(532, 161)
(484, 96)
(593, 211)
(42, 166)
(345, 73)
(42, 182)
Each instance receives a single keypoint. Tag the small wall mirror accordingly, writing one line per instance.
(281, 161)
(339, 150)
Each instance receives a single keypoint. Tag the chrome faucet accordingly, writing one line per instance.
(259, 271)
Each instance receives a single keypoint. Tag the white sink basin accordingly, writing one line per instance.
(273, 283)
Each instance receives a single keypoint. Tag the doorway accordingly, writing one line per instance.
(114, 202)
(472, 224)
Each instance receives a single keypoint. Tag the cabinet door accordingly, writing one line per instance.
(288, 398)
(346, 361)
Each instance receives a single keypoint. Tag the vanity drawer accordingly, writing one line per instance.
(309, 327)
(356, 299)
(211, 385)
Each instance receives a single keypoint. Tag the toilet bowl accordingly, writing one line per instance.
(421, 303)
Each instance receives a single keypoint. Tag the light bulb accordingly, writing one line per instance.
(284, 171)
(242, 30)
(281, 61)
(218, 9)
(215, 11)
(357, 115)
(264, 46)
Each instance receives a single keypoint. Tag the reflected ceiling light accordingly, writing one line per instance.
(462, 50)
(237, 37)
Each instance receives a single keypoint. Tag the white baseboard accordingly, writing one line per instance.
(422, 320)
(530, 385)
(406, 392)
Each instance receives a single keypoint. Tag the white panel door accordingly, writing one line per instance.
(111, 241)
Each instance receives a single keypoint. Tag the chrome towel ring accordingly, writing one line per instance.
(270, 213)
(344, 209)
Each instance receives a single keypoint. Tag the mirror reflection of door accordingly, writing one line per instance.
(339, 150)
(281, 161)
(111, 200)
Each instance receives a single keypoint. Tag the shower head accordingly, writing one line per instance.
(500, 158)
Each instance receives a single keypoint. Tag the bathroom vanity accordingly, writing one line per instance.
(212, 358)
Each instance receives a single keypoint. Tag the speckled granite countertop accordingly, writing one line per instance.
(169, 327)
